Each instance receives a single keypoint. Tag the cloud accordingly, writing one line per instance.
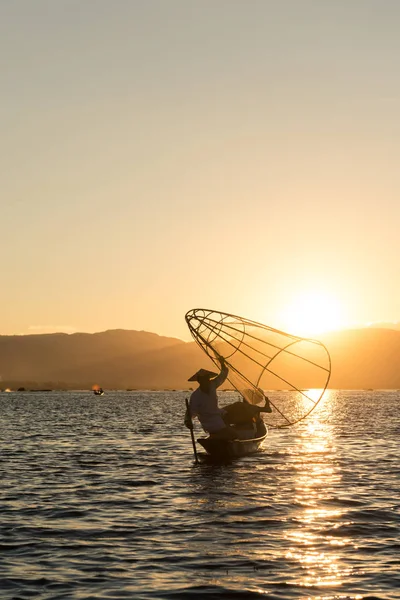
(384, 325)
(53, 328)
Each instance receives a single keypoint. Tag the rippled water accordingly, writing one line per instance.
(100, 499)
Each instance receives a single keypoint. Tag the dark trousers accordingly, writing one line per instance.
(240, 413)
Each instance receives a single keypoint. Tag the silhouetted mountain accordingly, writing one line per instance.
(79, 356)
(168, 367)
(362, 358)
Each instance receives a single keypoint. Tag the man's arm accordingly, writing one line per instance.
(219, 380)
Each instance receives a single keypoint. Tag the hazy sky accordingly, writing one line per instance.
(161, 155)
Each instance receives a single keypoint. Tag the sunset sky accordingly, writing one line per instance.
(162, 155)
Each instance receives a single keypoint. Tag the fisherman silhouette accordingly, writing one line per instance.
(203, 404)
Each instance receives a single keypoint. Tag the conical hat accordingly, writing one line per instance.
(202, 373)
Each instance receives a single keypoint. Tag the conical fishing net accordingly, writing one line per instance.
(292, 371)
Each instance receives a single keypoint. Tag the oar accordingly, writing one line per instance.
(196, 460)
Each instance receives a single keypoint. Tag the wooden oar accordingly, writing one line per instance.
(196, 460)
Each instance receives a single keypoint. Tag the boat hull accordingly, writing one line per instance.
(223, 449)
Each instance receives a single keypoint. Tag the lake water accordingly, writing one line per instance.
(100, 498)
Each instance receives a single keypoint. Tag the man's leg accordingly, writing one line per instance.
(240, 413)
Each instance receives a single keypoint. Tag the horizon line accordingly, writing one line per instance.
(390, 325)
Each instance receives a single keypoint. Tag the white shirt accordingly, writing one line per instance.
(205, 406)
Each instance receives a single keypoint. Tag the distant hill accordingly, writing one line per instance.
(116, 358)
(364, 358)
(361, 359)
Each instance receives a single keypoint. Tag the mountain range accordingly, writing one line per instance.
(121, 359)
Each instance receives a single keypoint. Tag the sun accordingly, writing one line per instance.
(311, 313)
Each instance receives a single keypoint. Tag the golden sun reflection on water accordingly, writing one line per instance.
(317, 475)
(314, 394)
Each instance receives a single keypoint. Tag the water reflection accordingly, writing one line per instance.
(316, 480)
(213, 486)
(108, 490)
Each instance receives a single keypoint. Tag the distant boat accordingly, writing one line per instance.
(99, 392)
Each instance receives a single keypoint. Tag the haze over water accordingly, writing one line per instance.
(100, 499)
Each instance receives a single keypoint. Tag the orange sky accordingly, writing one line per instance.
(160, 156)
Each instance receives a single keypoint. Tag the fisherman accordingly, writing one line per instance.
(216, 421)
(203, 404)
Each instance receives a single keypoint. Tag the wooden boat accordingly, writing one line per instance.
(222, 450)
(248, 442)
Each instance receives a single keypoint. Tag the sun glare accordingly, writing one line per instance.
(312, 313)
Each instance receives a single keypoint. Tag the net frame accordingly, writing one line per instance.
(208, 325)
